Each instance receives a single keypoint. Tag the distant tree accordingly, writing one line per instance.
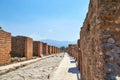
(63, 48)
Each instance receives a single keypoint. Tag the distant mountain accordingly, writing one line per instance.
(58, 43)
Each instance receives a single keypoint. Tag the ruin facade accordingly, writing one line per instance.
(5, 47)
(100, 41)
(22, 47)
(45, 49)
(37, 48)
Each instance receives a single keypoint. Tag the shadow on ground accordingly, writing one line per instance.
(74, 70)
(72, 61)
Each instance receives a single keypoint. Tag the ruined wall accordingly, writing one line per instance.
(100, 41)
(52, 49)
(5, 47)
(22, 47)
(55, 49)
(45, 49)
(73, 50)
(49, 49)
(37, 48)
(79, 55)
(70, 49)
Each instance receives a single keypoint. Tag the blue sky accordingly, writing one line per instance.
(44, 19)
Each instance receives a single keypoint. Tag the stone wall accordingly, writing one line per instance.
(22, 47)
(79, 55)
(37, 48)
(5, 47)
(73, 50)
(100, 41)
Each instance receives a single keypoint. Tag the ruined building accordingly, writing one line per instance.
(37, 48)
(73, 50)
(5, 47)
(45, 49)
(22, 47)
(100, 41)
(49, 49)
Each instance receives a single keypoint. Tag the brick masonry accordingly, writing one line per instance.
(49, 49)
(37, 48)
(45, 49)
(5, 47)
(22, 47)
(52, 50)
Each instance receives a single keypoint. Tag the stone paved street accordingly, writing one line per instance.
(40, 70)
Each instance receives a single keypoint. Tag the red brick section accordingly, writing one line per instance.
(52, 50)
(55, 50)
(22, 46)
(5, 47)
(49, 49)
(37, 48)
(45, 49)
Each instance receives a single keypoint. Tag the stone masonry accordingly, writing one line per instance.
(73, 50)
(22, 47)
(79, 56)
(37, 48)
(100, 41)
(5, 47)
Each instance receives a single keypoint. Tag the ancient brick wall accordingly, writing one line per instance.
(45, 49)
(22, 47)
(37, 48)
(5, 47)
(49, 49)
(52, 49)
(100, 41)
(55, 49)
